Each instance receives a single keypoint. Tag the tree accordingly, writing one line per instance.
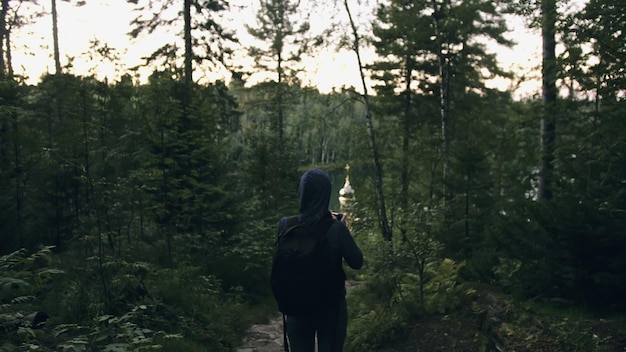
(204, 38)
(12, 166)
(286, 40)
(382, 207)
(4, 34)
(595, 52)
(55, 37)
(433, 49)
(461, 55)
(323, 126)
(587, 186)
(401, 41)
(549, 95)
(186, 165)
(10, 19)
(55, 33)
(443, 63)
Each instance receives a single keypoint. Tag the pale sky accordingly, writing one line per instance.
(108, 21)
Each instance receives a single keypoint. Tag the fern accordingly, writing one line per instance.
(20, 282)
(441, 293)
(8, 261)
(23, 299)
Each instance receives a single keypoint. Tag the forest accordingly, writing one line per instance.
(139, 216)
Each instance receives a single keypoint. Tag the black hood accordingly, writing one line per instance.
(314, 193)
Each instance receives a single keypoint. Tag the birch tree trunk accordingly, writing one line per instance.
(444, 100)
(384, 223)
(3, 35)
(548, 73)
(406, 135)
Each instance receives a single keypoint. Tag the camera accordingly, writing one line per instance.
(337, 215)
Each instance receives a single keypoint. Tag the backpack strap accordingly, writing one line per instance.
(285, 340)
(292, 221)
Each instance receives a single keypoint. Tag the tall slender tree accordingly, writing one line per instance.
(549, 96)
(462, 56)
(204, 38)
(55, 37)
(443, 63)
(55, 32)
(436, 49)
(4, 32)
(382, 210)
(402, 43)
(12, 18)
(286, 39)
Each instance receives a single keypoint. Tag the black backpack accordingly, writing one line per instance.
(305, 278)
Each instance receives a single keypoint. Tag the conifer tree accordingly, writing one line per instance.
(285, 38)
(433, 49)
(204, 38)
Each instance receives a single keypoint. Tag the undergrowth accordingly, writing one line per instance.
(385, 309)
(141, 308)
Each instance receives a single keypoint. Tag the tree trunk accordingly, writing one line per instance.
(55, 38)
(91, 207)
(281, 114)
(406, 133)
(467, 202)
(444, 100)
(9, 61)
(548, 73)
(188, 60)
(188, 49)
(18, 182)
(166, 206)
(3, 34)
(384, 223)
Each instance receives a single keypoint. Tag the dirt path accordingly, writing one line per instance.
(269, 337)
(264, 337)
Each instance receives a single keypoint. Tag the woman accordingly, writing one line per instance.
(328, 323)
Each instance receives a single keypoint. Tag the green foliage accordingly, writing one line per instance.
(441, 291)
(110, 333)
(148, 309)
(593, 59)
(205, 41)
(284, 32)
(243, 268)
(149, 200)
(385, 309)
(403, 285)
(24, 279)
(374, 328)
(203, 311)
(162, 198)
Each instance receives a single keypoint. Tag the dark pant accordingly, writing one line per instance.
(329, 325)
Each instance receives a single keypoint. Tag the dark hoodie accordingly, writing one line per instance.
(314, 194)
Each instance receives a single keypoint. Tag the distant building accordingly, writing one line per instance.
(346, 193)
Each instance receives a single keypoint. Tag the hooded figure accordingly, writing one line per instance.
(314, 194)
(329, 325)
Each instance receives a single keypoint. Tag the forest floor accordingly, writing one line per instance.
(490, 321)
(264, 337)
(494, 321)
